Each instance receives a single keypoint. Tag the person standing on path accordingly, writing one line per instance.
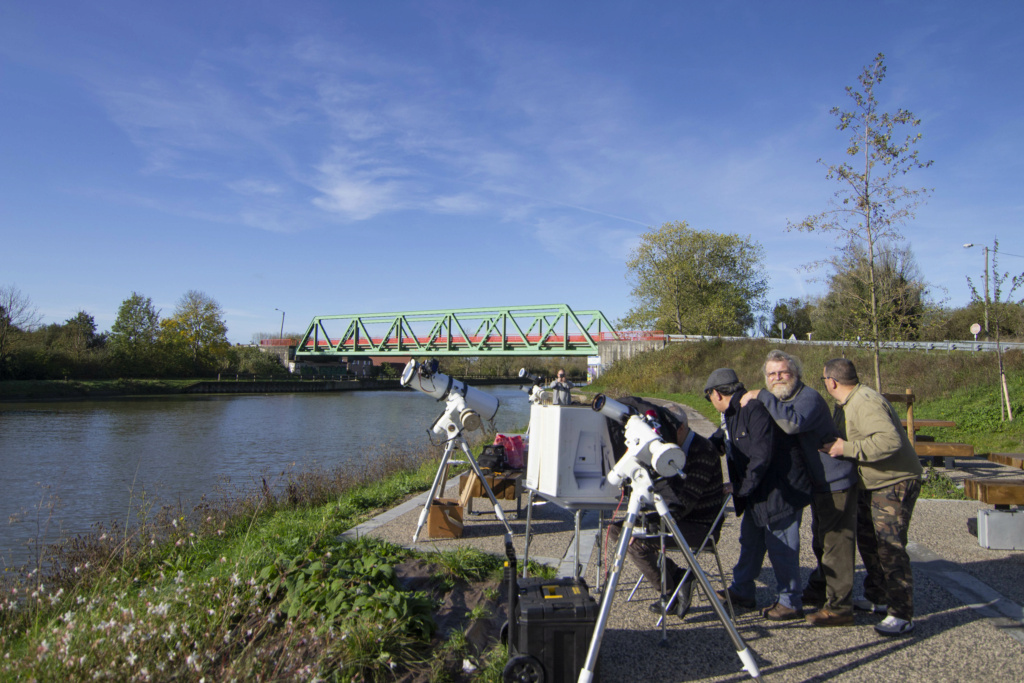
(890, 476)
(771, 489)
(800, 411)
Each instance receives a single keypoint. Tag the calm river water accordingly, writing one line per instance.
(96, 459)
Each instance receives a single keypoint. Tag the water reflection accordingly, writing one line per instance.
(100, 460)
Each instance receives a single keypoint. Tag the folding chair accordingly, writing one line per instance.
(708, 544)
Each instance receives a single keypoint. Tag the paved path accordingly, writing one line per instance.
(970, 623)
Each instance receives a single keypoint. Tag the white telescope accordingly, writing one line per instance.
(465, 409)
(643, 444)
(470, 406)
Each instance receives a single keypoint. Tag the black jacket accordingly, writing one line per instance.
(766, 465)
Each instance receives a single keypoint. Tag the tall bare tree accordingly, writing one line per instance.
(17, 317)
(871, 205)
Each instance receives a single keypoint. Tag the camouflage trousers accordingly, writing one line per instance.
(883, 517)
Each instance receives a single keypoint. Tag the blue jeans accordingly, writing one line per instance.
(781, 540)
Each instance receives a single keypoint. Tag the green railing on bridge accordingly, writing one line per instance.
(554, 330)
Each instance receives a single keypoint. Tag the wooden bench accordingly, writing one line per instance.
(919, 424)
(1009, 459)
(926, 447)
(999, 492)
(938, 452)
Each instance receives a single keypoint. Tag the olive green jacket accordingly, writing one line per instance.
(875, 439)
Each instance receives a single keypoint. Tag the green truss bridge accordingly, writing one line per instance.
(554, 330)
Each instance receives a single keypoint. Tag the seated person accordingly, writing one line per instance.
(693, 501)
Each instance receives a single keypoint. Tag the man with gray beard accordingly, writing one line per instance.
(801, 411)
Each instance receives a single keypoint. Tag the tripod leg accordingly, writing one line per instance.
(498, 512)
(587, 672)
(441, 470)
(664, 583)
(577, 517)
(744, 653)
(529, 521)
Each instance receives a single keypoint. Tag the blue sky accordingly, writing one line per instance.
(353, 157)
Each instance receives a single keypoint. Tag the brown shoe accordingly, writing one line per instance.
(779, 612)
(826, 617)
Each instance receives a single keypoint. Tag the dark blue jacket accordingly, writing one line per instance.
(806, 416)
(766, 465)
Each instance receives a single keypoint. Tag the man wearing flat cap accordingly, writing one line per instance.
(771, 487)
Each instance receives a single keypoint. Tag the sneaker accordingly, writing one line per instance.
(867, 606)
(826, 617)
(737, 600)
(894, 626)
(779, 612)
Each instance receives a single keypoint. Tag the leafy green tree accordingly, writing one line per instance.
(955, 323)
(688, 281)
(134, 334)
(252, 360)
(795, 314)
(846, 312)
(18, 317)
(78, 335)
(196, 332)
(871, 205)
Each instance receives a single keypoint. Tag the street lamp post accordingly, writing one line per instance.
(281, 336)
(985, 249)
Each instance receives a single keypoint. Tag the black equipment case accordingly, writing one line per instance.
(550, 625)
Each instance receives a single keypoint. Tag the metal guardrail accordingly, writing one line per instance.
(910, 346)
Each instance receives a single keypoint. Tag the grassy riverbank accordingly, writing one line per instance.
(254, 588)
(38, 390)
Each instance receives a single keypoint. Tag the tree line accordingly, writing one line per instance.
(190, 342)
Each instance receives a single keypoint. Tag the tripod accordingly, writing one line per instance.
(631, 468)
(442, 470)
